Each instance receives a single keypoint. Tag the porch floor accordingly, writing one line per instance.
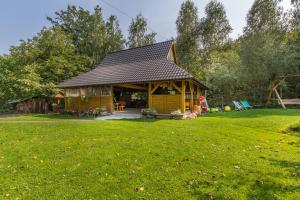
(129, 113)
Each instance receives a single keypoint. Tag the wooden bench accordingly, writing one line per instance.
(291, 101)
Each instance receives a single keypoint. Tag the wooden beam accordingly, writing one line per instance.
(130, 86)
(279, 99)
(112, 107)
(149, 95)
(183, 97)
(191, 96)
(156, 85)
(176, 87)
(174, 54)
(290, 75)
(198, 94)
(274, 84)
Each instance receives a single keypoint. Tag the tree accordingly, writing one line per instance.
(224, 74)
(52, 56)
(296, 13)
(87, 29)
(138, 35)
(115, 39)
(187, 48)
(214, 29)
(264, 57)
(58, 59)
(16, 81)
(263, 16)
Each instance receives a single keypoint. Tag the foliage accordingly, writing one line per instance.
(244, 68)
(236, 155)
(17, 81)
(79, 39)
(186, 42)
(138, 35)
(116, 40)
(91, 36)
(214, 29)
(295, 13)
(263, 16)
(224, 76)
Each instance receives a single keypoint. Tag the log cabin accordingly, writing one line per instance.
(150, 73)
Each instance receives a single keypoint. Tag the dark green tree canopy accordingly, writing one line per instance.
(116, 40)
(138, 35)
(92, 36)
(296, 13)
(52, 55)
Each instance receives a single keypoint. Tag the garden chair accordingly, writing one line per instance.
(238, 106)
(246, 105)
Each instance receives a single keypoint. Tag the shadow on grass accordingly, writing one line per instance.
(43, 117)
(260, 186)
(143, 120)
(256, 113)
(286, 164)
(293, 130)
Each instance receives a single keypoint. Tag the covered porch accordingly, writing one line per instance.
(164, 96)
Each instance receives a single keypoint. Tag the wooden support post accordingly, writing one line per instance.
(131, 86)
(198, 95)
(183, 97)
(112, 107)
(191, 97)
(279, 99)
(149, 95)
(156, 85)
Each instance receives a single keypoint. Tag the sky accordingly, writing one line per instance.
(22, 19)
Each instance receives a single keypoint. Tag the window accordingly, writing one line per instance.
(72, 92)
(95, 91)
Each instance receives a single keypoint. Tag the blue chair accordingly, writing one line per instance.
(238, 106)
(246, 105)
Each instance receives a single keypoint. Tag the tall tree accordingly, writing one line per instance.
(296, 13)
(214, 29)
(52, 55)
(264, 15)
(58, 59)
(87, 29)
(138, 35)
(17, 81)
(264, 58)
(115, 39)
(187, 48)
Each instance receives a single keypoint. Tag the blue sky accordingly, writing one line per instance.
(21, 19)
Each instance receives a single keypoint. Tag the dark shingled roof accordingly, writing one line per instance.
(137, 65)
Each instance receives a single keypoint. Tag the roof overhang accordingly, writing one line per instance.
(194, 80)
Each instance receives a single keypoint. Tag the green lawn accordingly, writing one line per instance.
(239, 155)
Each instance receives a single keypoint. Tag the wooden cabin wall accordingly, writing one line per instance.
(35, 105)
(164, 103)
(78, 103)
(167, 103)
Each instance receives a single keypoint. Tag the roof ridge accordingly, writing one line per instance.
(140, 46)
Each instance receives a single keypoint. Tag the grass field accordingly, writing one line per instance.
(238, 155)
